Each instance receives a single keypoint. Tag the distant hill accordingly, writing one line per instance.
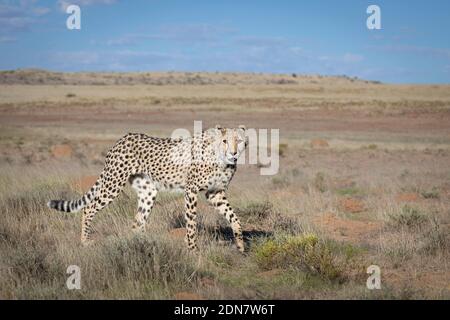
(44, 77)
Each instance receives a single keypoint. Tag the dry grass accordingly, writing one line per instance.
(386, 152)
(309, 261)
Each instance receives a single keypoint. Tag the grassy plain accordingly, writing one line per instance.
(364, 179)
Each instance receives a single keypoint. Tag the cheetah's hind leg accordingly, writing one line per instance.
(146, 192)
(107, 193)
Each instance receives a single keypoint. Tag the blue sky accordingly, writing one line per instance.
(312, 37)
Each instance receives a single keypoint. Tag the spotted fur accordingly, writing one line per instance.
(204, 162)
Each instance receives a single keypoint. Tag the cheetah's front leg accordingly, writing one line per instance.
(219, 200)
(191, 218)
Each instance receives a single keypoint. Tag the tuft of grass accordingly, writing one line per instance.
(254, 211)
(405, 173)
(430, 194)
(281, 181)
(35, 264)
(408, 217)
(350, 191)
(284, 223)
(288, 178)
(224, 260)
(306, 252)
(319, 182)
(296, 172)
(436, 239)
(282, 149)
(267, 216)
(147, 259)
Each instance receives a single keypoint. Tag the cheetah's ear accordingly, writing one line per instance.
(222, 129)
(242, 127)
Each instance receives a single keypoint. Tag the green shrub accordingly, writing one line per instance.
(430, 194)
(349, 191)
(409, 217)
(306, 252)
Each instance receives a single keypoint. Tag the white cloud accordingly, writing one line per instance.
(297, 50)
(348, 58)
(352, 58)
(80, 58)
(6, 39)
(40, 11)
(260, 41)
(19, 16)
(122, 41)
(431, 52)
(324, 58)
(193, 33)
(121, 60)
(8, 11)
(63, 4)
(12, 24)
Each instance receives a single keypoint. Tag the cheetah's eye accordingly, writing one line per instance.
(224, 141)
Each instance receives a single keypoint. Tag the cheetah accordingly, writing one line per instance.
(206, 162)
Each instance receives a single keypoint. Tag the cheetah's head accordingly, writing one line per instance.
(231, 142)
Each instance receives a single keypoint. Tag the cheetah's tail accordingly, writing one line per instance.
(75, 205)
